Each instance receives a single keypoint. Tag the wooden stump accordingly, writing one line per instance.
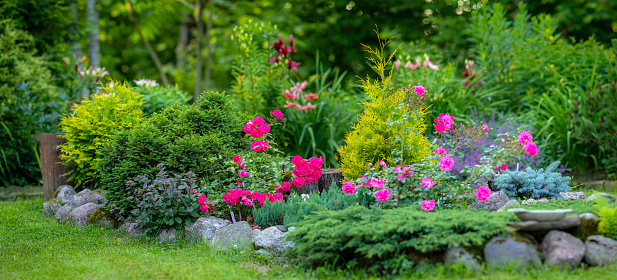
(324, 182)
(51, 168)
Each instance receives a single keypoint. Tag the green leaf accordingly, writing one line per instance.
(178, 220)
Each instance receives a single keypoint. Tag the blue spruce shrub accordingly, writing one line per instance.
(533, 184)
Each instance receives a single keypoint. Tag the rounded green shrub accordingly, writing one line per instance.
(183, 138)
(92, 123)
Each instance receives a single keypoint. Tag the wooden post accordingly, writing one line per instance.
(324, 182)
(51, 168)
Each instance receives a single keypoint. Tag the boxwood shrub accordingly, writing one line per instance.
(181, 137)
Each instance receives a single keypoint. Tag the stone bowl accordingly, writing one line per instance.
(540, 215)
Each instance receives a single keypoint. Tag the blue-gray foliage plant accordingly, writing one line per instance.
(533, 184)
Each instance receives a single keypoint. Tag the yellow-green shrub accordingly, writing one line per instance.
(388, 123)
(92, 123)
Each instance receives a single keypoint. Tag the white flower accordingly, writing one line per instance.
(146, 82)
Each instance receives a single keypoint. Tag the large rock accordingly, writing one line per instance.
(510, 203)
(132, 229)
(458, 255)
(63, 213)
(204, 228)
(168, 234)
(85, 198)
(234, 236)
(493, 203)
(51, 207)
(65, 194)
(565, 223)
(573, 195)
(562, 249)
(600, 250)
(80, 215)
(605, 195)
(271, 239)
(103, 218)
(589, 225)
(255, 233)
(502, 250)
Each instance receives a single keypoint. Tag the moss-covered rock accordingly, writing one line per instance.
(103, 218)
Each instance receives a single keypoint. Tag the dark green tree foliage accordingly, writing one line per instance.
(533, 184)
(385, 241)
(181, 137)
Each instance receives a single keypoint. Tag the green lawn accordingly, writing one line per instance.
(33, 247)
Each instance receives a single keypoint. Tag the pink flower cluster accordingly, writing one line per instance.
(427, 182)
(526, 139)
(278, 115)
(205, 205)
(483, 193)
(404, 172)
(446, 163)
(440, 151)
(443, 122)
(259, 147)
(295, 93)
(306, 172)
(428, 205)
(419, 90)
(349, 188)
(257, 127)
(285, 187)
(242, 173)
(418, 64)
(246, 197)
(382, 195)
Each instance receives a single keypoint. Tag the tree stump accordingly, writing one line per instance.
(51, 168)
(324, 182)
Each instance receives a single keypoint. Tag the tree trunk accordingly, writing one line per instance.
(153, 55)
(323, 184)
(208, 52)
(199, 7)
(183, 40)
(51, 168)
(94, 49)
(76, 50)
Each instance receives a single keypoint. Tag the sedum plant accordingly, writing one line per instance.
(533, 184)
(91, 124)
(374, 137)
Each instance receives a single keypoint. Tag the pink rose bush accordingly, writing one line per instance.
(259, 147)
(428, 205)
(443, 123)
(483, 193)
(306, 172)
(257, 127)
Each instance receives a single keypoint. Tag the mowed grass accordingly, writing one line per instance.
(34, 247)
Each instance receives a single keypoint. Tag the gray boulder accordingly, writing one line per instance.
(561, 249)
(65, 193)
(458, 255)
(63, 213)
(589, 225)
(264, 252)
(493, 203)
(84, 191)
(573, 195)
(271, 239)
(50, 207)
(605, 195)
(502, 250)
(510, 203)
(103, 218)
(132, 229)
(281, 228)
(204, 228)
(234, 236)
(168, 234)
(85, 198)
(255, 233)
(600, 250)
(80, 215)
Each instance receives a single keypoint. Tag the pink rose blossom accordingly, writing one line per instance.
(285, 187)
(364, 181)
(504, 167)
(298, 182)
(237, 159)
(348, 188)
(483, 193)
(531, 149)
(446, 163)
(246, 201)
(428, 205)
(427, 182)
(382, 195)
(202, 199)
(259, 147)
(419, 90)
(243, 173)
(525, 138)
(440, 151)
(397, 169)
(382, 163)
(377, 183)
(277, 114)
(296, 159)
(485, 127)
(397, 65)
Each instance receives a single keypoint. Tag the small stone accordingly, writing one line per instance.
(204, 228)
(132, 229)
(600, 250)
(168, 234)
(234, 236)
(561, 249)
(63, 213)
(291, 228)
(573, 195)
(530, 201)
(264, 252)
(281, 228)
(605, 195)
(502, 250)
(80, 215)
(543, 200)
(493, 203)
(510, 203)
(458, 255)
(65, 194)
